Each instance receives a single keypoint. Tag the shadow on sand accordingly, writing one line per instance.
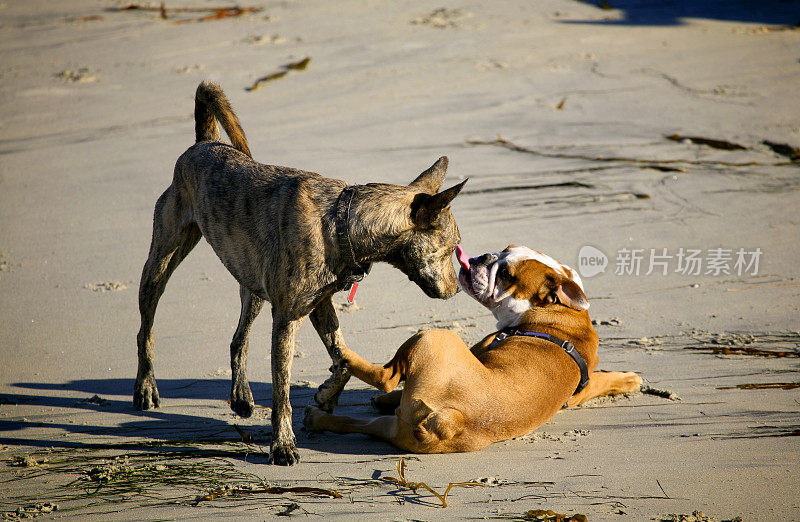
(161, 430)
(672, 12)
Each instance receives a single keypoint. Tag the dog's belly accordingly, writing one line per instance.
(239, 231)
(236, 249)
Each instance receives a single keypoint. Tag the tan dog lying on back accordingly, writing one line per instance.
(461, 399)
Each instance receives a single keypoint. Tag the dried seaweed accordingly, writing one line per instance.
(290, 508)
(763, 386)
(114, 480)
(215, 13)
(663, 168)
(414, 486)
(76, 480)
(302, 65)
(551, 516)
(744, 350)
(784, 150)
(696, 516)
(249, 489)
(648, 163)
(778, 345)
(760, 432)
(245, 436)
(219, 14)
(545, 515)
(88, 18)
(715, 144)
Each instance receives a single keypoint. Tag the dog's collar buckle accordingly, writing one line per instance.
(500, 337)
(356, 275)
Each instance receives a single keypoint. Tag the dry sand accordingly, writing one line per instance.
(96, 105)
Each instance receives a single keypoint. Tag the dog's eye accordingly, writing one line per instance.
(503, 272)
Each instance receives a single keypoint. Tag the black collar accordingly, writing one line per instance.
(355, 270)
(565, 345)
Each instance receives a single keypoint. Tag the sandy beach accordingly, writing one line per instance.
(653, 146)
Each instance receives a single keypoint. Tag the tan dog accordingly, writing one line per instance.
(515, 380)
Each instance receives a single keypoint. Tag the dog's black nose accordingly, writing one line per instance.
(485, 259)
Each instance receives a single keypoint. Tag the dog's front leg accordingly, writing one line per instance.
(327, 325)
(602, 383)
(284, 450)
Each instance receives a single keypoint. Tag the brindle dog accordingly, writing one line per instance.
(293, 238)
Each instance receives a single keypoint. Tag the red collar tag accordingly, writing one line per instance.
(352, 295)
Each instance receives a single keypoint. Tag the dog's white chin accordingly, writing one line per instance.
(476, 283)
(509, 311)
(506, 309)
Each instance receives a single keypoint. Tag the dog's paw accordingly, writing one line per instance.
(631, 382)
(284, 455)
(328, 393)
(241, 401)
(145, 394)
(327, 400)
(241, 408)
(311, 419)
(340, 368)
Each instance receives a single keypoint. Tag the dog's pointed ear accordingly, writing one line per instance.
(431, 180)
(570, 294)
(426, 208)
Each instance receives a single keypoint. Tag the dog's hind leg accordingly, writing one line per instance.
(387, 403)
(241, 396)
(327, 326)
(603, 383)
(173, 238)
(386, 427)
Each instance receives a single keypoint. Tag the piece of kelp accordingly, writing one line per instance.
(716, 144)
(220, 13)
(551, 516)
(414, 486)
(302, 65)
(227, 491)
(215, 13)
(783, 149)
(763, 386)
(501, 142)
(744, 350)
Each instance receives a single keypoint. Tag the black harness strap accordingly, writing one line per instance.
(565, 345)
(357, 271)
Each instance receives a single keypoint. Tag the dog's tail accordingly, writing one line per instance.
(210, 106)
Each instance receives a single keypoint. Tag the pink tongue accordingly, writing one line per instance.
(463, 259)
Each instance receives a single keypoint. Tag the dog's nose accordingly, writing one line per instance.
(485, 259)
